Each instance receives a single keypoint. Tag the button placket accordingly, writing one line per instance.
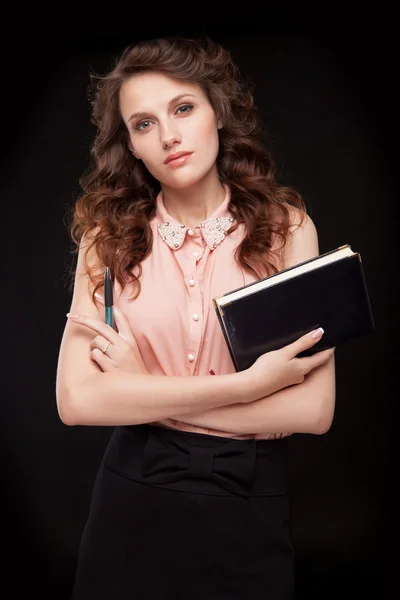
(195, 308)
(195, 326)
(189, 256)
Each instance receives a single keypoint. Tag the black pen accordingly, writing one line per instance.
(108, 298)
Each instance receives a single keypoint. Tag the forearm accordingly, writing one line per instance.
(122, 398)
(304, 408)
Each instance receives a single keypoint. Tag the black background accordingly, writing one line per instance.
(325, 85)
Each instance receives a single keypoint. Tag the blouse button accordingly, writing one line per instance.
(190, 231)
(196, 254)
(192, 282)
(191, 357)
(195, 317)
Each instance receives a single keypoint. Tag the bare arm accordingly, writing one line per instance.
(129, 399)
(87, 396)
(304, 408)
(307, 407)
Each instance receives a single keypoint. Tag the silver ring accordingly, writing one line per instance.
(104, 348)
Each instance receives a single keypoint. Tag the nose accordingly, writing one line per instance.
(169, 137)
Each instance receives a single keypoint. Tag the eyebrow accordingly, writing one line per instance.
(140, 115)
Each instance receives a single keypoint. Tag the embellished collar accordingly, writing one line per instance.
(214, 230)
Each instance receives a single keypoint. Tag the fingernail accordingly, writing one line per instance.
(99, 297)
(72, 316)
(317, 333)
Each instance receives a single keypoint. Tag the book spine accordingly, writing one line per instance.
(366, 294)
(227, 340)
(215, 302)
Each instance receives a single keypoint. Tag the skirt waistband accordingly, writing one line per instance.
(196, 462)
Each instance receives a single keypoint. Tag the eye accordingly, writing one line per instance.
(142, 125)
(185, 108)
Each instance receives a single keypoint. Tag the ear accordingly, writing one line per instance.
(219, 124)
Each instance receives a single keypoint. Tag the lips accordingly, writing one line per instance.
(175, 156)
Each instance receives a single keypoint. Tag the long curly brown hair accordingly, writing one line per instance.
(118, 196)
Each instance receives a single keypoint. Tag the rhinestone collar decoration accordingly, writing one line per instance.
(213, 231)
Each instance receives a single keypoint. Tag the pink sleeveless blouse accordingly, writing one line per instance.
(173, 319)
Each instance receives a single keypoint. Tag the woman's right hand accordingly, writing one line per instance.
(281, 368)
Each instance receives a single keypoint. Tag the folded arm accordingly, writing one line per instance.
(304, 408)
(88, 396)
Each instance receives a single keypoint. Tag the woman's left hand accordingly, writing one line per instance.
(112, 350)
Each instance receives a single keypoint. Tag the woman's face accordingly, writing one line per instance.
(167, 117)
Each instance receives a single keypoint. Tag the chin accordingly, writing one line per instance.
(185, 179)
(182, 181)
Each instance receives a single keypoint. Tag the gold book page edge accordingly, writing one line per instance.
(286, 274)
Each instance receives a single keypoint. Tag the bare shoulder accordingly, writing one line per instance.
(302, 240)
(88, 262)
(88, 259)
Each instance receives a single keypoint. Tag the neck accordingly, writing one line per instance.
(191, 206)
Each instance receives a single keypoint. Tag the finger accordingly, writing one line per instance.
(102, 360)
(317, 359)
(305, 341)
(100, 342)
(95, 325)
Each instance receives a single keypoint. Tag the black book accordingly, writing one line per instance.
(327, 291)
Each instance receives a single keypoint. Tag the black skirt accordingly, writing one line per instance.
(189, 516)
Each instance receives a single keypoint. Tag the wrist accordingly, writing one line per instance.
(247, 383)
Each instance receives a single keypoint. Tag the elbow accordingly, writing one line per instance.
(68, 409)
(322, 426)
(323, 418)
(71, 403)
(74, 400)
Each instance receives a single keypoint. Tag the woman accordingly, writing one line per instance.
(182, 204)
